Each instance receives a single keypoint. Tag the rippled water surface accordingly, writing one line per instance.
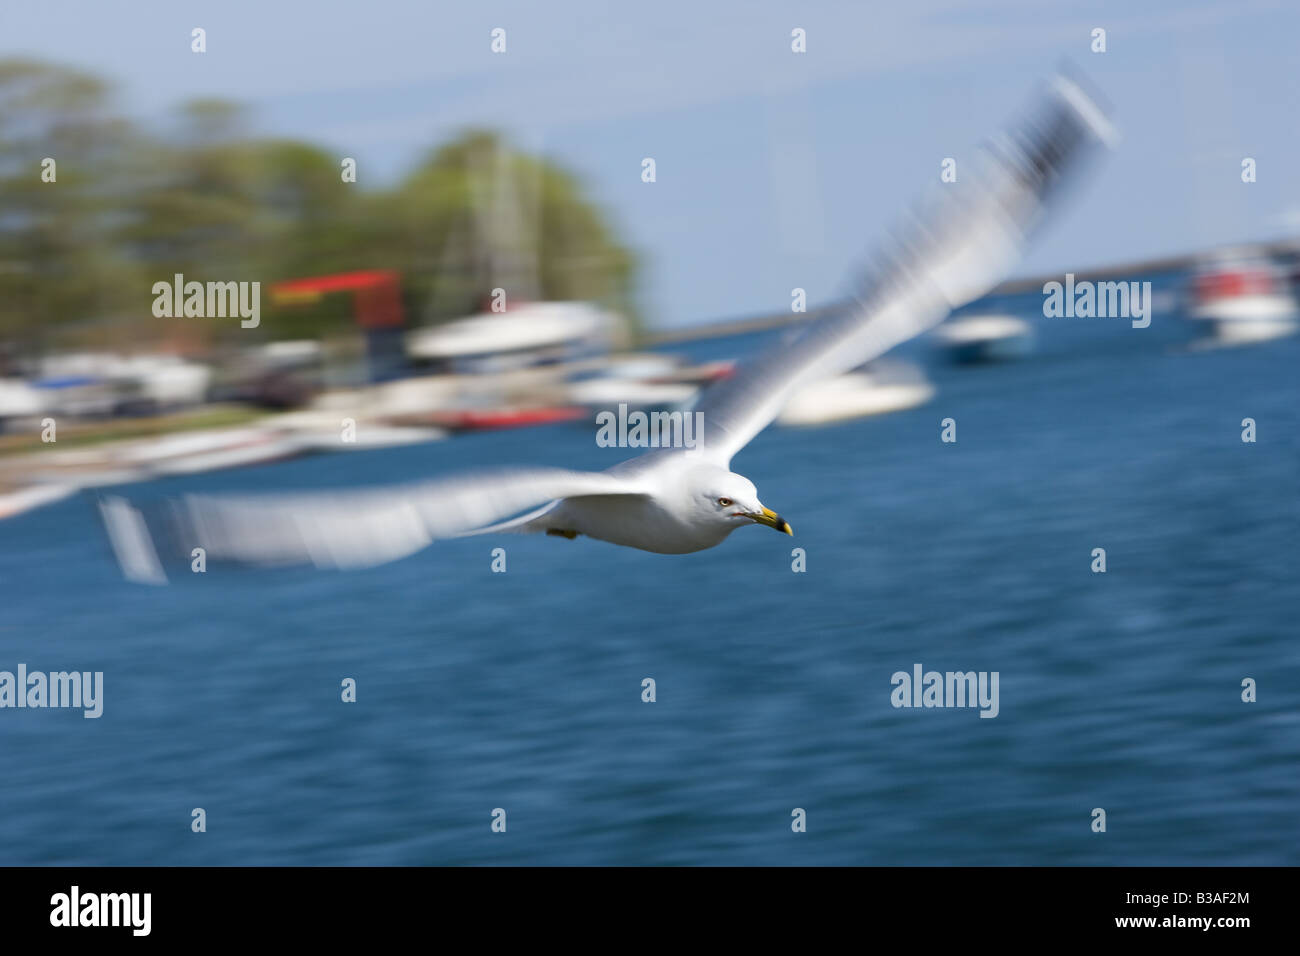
(523, 690)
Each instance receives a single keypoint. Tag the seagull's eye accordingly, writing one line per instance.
(725, 502)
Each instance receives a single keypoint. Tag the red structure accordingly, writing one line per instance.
(376, 305)
(377, 298)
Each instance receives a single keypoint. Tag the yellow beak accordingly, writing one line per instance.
(773, 520)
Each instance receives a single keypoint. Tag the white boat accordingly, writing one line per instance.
(985, 338)
(534, 327)
(18, 399)
(164, 379)
(644, 381)
(611, 391)
(368, 437)
(1242, 298)
(877, 389)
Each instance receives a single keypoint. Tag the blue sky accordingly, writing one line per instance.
(775, 170)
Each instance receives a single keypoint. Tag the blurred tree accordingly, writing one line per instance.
(477, 215)
(207, 199)
(56, 258)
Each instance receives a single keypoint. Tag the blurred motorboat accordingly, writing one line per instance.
(18, 400)
(606, 392)
(528, 334)
(77, 396)
(648, 381)
(99, 384)
(985, 338)
(159, 382)
(1244, 298)
(877, 388)
(480, 419)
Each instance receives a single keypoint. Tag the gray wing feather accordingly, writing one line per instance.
(339, 529)
(947, 254)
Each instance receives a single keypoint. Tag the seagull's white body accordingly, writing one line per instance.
(660, 522)
(676, 510)
(669, 501)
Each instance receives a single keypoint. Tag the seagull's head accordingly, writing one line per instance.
(730, 500)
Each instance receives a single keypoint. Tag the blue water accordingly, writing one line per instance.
(523, 690)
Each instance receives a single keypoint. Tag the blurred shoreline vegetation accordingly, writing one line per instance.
(132, 206)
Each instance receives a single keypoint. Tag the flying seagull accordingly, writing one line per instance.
(952, 249)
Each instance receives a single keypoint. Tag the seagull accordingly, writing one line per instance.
(951, 249)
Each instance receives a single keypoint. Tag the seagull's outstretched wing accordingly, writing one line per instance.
(335, 529)
(949, 253)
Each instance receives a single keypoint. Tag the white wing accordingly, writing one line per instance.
(948, 254)
(339, 529)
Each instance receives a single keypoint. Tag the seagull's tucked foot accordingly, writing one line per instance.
(562, 533)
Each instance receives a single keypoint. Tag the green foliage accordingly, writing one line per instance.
(131, 207)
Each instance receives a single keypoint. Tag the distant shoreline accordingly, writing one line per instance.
(776, 320)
